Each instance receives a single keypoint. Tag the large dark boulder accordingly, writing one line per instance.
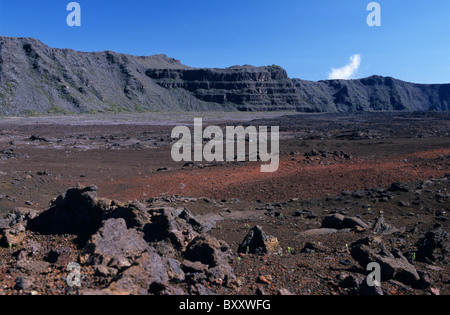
(257, 242)
(339, 222)
(79, 212)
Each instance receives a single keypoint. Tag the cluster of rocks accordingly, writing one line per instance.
(137, 140)
(326, 154)
(139, 249)
(13, 226)
(153, 248)
(397, 266)
(7, 154)
(397, 189)
(394, 264)
(434, 246)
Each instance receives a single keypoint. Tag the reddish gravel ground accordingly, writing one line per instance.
(129, 162)
(295, 179)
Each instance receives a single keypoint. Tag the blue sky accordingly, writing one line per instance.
(308, 38)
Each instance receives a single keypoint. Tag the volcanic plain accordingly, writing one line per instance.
(351, 188)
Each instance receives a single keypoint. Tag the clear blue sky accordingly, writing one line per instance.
(308, 38)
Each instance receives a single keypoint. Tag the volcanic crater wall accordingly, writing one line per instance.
(247, 88)
(36, 79)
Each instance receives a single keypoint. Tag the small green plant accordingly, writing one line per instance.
(246, 226)
(413, 256)
(239, 259)
(291, 250)
(10, 246)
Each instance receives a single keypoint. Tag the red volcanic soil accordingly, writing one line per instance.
(294, 179)
(123, 160)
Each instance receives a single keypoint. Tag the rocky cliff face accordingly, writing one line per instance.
(247, 88)
(37, 79)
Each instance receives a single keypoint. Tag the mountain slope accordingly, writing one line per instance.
(375, 94)
(37, 79)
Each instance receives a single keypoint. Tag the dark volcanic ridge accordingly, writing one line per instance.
(36, 79)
